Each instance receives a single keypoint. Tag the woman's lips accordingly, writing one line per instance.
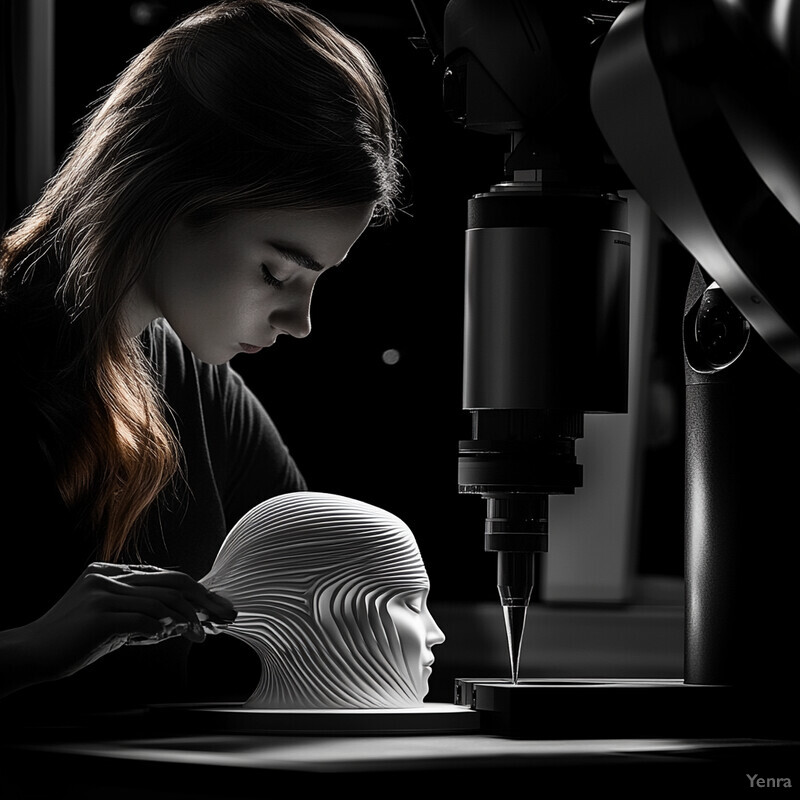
(249, 348)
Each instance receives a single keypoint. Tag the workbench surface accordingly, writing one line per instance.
(97, 762)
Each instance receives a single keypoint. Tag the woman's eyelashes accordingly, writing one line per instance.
(269, 278)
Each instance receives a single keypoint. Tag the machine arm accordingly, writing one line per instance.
(693, 98)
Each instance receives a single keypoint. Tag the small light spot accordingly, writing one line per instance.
(147, 14)
(390, 356)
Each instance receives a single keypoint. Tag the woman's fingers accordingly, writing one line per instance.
(215, 605)
(104, 568)
(145, 614)
(172, 600)
(113, 604)
(160, 601)
(136, 624)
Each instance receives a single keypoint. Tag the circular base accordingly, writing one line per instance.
(234, 717)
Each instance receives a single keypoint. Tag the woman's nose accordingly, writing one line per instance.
(294, 317)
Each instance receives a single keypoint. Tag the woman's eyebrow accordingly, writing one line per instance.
(299, 257)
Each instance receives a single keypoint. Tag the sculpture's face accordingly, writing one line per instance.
(376, 618)
(418, 634)
(332, 594)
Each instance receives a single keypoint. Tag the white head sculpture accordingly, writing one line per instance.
(332, 594)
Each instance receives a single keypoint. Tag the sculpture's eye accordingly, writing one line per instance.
(414, 602)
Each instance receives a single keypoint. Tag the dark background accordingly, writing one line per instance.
(388, 433)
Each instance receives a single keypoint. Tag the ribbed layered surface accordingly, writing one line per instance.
(311, 576)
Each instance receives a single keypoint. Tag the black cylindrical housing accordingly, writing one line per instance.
(742, 508)
(526, 451)
(546, 302)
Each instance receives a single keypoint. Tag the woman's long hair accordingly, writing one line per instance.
(246, 104)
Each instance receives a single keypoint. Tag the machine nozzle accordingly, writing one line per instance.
(516, 530)
(515, 580)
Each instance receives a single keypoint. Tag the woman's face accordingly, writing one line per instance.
(238, 284)
(418, 634)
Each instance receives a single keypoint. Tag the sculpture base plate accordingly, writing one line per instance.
(621, 707)
(440, 718)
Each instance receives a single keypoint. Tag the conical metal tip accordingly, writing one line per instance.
(515, 628)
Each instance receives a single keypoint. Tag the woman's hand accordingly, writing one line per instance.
(112, 604)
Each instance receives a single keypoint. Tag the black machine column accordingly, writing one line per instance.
(742, 500)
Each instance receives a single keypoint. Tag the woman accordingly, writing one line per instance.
(332, 594)
(238, 157)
